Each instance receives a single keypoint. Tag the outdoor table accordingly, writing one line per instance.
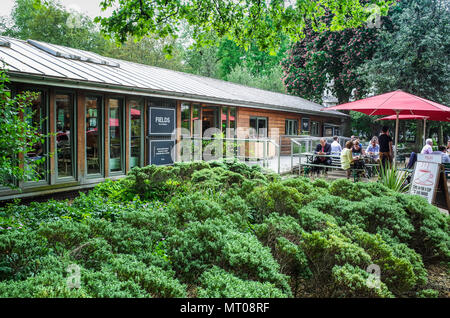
(310, 156)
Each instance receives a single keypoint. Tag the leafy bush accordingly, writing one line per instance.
(222, 229)
(217, 283)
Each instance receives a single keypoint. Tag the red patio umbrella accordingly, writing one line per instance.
(412, 117)
(396, 103)
(409, 117)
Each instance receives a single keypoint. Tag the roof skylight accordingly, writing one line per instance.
(72, 54)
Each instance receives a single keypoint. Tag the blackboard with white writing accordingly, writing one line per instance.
(161, 152)
(161, 121)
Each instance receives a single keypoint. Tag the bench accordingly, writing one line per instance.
(335, 165)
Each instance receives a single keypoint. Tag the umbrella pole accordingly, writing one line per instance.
(424, 130)
(396, 136)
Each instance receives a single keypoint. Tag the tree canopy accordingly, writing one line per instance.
(244, 21)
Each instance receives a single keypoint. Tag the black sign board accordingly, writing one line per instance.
(161, 152)
(161, 121)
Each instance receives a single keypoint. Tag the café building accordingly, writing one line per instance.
(106, 116)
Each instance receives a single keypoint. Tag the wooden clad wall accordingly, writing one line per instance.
(276, 119)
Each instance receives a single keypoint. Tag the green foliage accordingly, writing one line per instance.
(217, 283)
(50, 22)
(264, 21)
(428, 293)
(412, 52)
(321, 58)
(224, 230)
(393, 179)
(18, 136)
(351, 281)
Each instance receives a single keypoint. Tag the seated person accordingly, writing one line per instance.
(428, 148)
(442, 151)
(373, 150)
(336, 146)
(412, 160)
(357, 149)
(323, 148)
(347, 157)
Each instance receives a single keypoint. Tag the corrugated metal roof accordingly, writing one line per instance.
(57, 65)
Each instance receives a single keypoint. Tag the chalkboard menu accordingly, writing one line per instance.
(161, 121)
(161, 152)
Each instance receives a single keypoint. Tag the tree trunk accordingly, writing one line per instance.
(419, 136)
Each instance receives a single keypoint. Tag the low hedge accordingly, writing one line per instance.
(222, 229)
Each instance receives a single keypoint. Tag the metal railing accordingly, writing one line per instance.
(307, 144)
(248, 150)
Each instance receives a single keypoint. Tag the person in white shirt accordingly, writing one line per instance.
(428, 148)
(373, 150)
(335, 146)
(442, 151)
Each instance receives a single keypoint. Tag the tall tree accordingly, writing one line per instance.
(413, 56)
(49, 21)
(245, 22)
(149, 51)
(329, 57)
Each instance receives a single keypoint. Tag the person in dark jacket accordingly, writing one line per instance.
(323, 148)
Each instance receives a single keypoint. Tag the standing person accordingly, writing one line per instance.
(385, 142)
(336, 146)
(323, 148)
(347, 158)
(373, 150)
(428, 148)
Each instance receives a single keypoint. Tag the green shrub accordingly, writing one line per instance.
(155, 281)
(348, 190)
(351, 281)
(311, 219)
(194, 207)
(20, 254)
(217, 283)
(275, 197)
(431, 236)
(428, 293)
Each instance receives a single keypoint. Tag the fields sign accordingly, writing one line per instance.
(161, 121)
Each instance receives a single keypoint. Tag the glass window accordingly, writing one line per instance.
(224, 119)
(37, 120)
(93, 135)
(115, 134)
(315, 128)
(258, 127)
(196, 119)
(64, 135)
(136, 109)
(186, 117)
(232, 120)
(291, 127)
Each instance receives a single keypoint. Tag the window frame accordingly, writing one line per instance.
(141, 102)
(291, 123)
(73, 133)
(258, 118)
(318, 128)
(122, 137)
(46, 107)
(101, 127)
